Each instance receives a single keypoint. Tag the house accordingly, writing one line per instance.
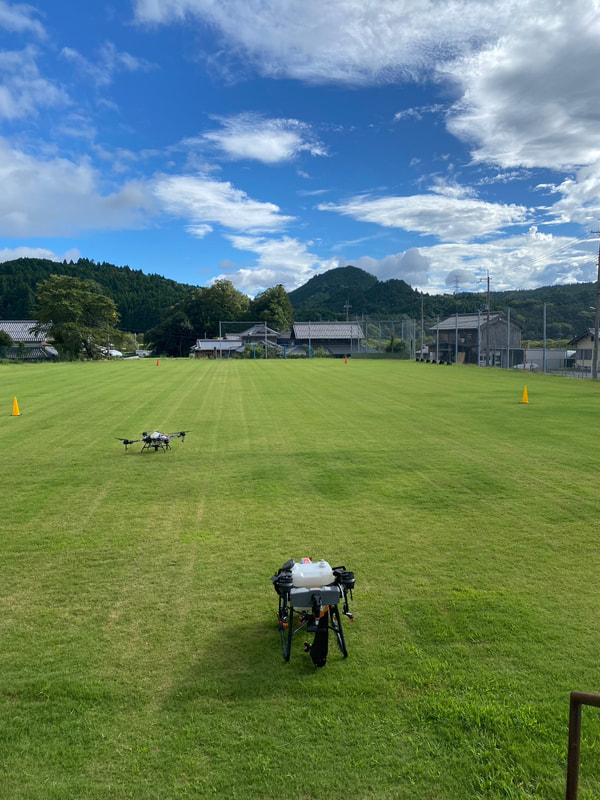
(259, 334)
(584, 349)
(27, 346)
(483, 338)
(216, 348)
(335, 338)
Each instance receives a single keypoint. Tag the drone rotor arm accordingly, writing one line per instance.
(179, 435)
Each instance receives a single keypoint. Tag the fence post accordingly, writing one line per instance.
(577, 700)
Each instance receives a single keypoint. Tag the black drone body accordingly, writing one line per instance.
(154, 440)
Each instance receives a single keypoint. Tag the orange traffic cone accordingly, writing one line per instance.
(345, 359)
(525, 398)
(157, 363)
(15, 411)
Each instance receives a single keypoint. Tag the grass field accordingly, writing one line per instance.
(139, 653)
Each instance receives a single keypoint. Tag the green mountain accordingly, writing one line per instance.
(568, 308)
(141, 299)
(327, 296)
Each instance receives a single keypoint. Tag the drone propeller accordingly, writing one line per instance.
(179, 435)
(127, 442)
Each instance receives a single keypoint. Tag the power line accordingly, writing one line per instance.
(556, 250)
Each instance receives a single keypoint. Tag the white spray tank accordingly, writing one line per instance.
(309, 575)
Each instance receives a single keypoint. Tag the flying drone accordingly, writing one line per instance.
(154, 439)
(312, 591)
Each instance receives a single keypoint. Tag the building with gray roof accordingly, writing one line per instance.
(336, 338)
(27, 345)
(485, 339)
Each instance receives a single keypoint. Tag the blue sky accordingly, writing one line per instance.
(267, 141)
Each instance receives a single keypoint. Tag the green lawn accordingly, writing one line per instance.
(139, 652)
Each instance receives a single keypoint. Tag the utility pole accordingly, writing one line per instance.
(347, 308)
(544, 354)
(596, 321)
(422, 325)
(266, 342)
(487, 327)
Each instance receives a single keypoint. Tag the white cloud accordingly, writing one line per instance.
(580, 198)
(458, 278)
(525, 261)
(348, 41)
(286, 261)
(10, 254)
(525, 72)
(272, 141)
(203, 201)
(108, 62)
(447, 216)
(19, 18)
(418, 113)
(411, 266)
(57, 196)
(22, 89)
(528, 100)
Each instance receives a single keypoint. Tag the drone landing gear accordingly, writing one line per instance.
(319, 623)
(163, 446)
(317, 610)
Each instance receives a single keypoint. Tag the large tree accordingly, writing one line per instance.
(220, 302)
(274, 307)
(77, 316)
(197, 317)
(174, 334)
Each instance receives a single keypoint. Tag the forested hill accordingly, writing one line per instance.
(325, 296)
(141, 299)
(144, 300)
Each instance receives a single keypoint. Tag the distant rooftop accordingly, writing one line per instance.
(466, 321)
(327, 330)
(19, 330)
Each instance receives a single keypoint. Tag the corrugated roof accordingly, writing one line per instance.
(217, 344)
(33, 352)
(327, 330)
(19, 330)
(466, 321)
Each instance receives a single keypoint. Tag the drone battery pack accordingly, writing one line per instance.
(303, 598)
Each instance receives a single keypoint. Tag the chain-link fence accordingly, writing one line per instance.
(483, 338)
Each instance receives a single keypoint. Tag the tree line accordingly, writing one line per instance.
(82, 321)
(141, 299)
(173, 315)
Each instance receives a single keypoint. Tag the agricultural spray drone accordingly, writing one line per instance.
(312, 591)
(154, 439)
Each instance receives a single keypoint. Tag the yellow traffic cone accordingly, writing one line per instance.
(16, 412)
(525, 398)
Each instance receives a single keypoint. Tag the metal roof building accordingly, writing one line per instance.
(472, 339)
(336, 338)
(27, 345)
(327, 330)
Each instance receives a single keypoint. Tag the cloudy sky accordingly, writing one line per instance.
(266, 141)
